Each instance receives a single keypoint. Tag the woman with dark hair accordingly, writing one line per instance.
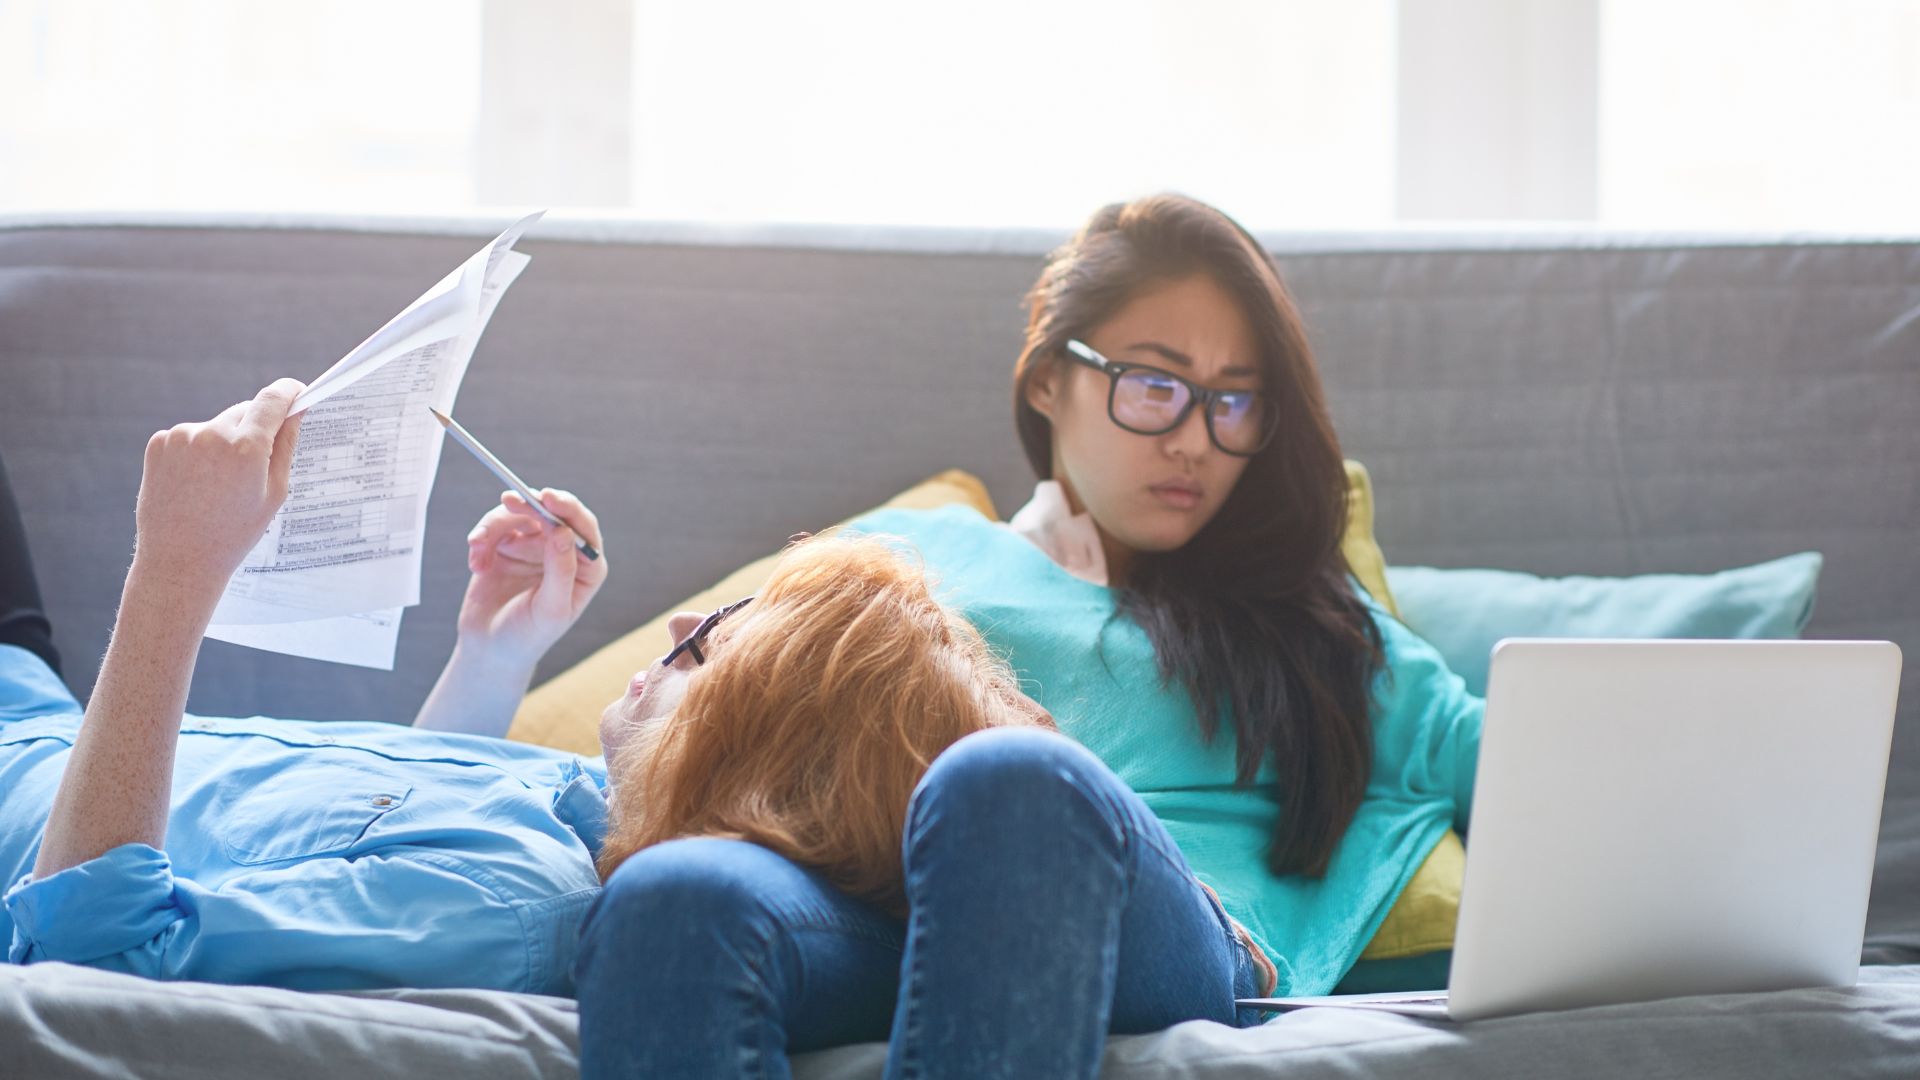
(1253, 757)
(1220, 534)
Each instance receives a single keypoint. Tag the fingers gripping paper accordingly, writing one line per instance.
(341, 560)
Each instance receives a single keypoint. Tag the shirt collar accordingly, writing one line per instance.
(581, 803)
(1069, 539)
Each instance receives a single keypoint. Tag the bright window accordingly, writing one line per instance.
(1781, 113)
(1765, 114)
(235, 104)
(1014, 112)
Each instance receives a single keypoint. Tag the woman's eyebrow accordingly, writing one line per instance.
(1175, 355)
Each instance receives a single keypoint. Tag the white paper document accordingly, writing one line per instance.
(341, 560)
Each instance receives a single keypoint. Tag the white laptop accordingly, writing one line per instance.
(1654, 819)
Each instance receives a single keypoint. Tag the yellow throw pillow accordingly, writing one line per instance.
(1363, 553)
(564, 712)
(1422, 919)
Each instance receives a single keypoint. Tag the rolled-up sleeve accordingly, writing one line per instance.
(394, 919)
(112, 904)
(1428, 740)
(1465, 715)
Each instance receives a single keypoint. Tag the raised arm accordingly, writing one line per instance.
(529, 586)
(207, 492)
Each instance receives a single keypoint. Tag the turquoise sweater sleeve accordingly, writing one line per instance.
(1095, 671)
(1427, 723)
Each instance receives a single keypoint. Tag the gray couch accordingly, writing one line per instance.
(1573, 403)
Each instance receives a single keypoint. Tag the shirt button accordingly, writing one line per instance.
(382, 800)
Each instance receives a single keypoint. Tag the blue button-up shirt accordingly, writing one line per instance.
(312, 855)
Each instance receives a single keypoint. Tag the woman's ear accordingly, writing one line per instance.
(1043, 390)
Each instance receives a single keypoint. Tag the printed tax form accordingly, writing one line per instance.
(341, 560)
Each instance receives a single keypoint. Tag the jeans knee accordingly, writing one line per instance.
(1012, 771)
(664, 889)
(993, 761)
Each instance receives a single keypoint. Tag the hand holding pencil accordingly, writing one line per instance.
(536, 565)
(506, 475)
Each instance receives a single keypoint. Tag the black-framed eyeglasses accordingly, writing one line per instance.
(1147, 400)
(690, 644)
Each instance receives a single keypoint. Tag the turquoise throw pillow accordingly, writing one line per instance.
(1464, 612)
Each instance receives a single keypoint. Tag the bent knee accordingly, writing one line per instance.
(1007, 766)
(663, 884)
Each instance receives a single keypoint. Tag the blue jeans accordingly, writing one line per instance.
(23, 617)
(1048, 908)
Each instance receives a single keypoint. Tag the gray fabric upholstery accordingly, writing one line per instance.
(1556, 404)
(59, 1022)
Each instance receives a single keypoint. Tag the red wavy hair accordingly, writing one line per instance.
(823, 704)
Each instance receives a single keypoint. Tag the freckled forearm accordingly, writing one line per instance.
(119, 777)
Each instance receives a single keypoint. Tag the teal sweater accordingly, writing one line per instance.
(1098, 676)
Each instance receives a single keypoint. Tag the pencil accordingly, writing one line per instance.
(499, 469)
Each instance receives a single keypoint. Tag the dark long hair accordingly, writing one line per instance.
(1254, 614)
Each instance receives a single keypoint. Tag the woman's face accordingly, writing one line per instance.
(653, 694)
(1150, 492)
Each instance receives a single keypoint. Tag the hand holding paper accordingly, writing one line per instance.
(341, 560)
(208, 489)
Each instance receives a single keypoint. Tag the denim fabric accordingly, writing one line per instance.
(23, 616)
(1048, 908)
